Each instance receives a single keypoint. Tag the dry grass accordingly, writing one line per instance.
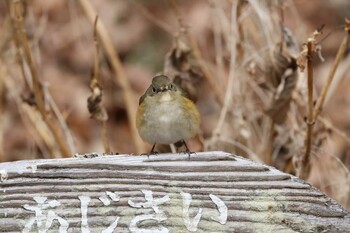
(97, 110)
(121, 78)
(22, 45)
(237, 59)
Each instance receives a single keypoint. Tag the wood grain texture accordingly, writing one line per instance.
(211, 192)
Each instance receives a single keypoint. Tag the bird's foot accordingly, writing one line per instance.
(87, 156)
(152, 152)
(187, 151)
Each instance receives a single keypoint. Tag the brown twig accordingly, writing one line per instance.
(31, 117)
(96, 71)
(304, 166)
(38, 92)
(231, 78)
(61, 120)
(97, 75)
(302, 162)
(96, 109)
(120, 77)
(15, 38)
(339, 56)
(198, 55)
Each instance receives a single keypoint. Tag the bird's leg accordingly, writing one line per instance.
(152, 152)
(187, 151)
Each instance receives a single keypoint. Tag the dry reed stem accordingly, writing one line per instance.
(303, 168)
(37, 124)
(227, 104)
(106, 146)
(339, 56)
(96, 71)
(14, 28)
(198, 55)
(229, 91)
(33, 121)
(96, 76)
(61, 120)
(38, 92)
(302, 162)
(120, 77)
(19, 58)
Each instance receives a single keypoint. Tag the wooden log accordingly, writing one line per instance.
(211, 192)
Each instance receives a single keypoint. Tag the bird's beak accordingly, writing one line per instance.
(164, 88)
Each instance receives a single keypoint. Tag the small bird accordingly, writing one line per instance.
(165, 115)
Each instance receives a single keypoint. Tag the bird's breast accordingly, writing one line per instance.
(168, 119)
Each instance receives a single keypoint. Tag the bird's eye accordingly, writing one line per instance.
(171, 86)
(154, 90)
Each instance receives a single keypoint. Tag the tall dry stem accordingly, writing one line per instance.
(120, 76)
(37, 87)
(304, 166)
(95, 106)
(340, 54)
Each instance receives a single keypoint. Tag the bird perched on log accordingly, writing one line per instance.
(166, 115)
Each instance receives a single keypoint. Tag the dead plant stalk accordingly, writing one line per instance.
(96, 76)
(38, 92)
(118, 69)
(305, 162)
(339, 56)
(15, 39)
(313, 112)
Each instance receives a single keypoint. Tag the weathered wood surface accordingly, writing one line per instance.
(212, 192)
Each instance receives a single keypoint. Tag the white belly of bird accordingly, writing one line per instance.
(169, 123)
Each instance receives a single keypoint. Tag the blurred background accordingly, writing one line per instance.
(237, 60)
